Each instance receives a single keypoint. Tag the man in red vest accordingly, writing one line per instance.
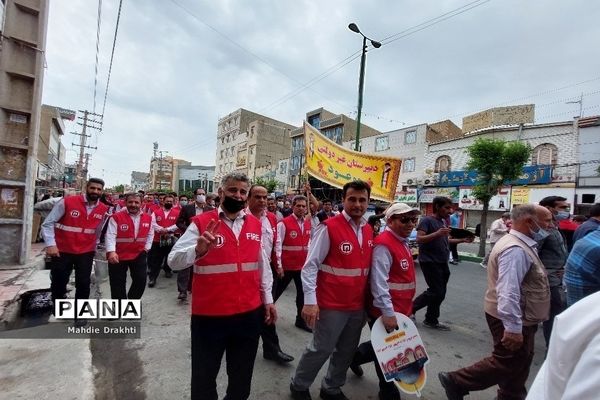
(257, 206)
(393, 284)
(71, 232)
(334, 278)
(164, 224)
(231, 290)
(128, 240)
(294, 233)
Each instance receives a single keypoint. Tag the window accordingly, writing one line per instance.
(443, 164)
(251, 132)
(545, 154)
(410, 137)
(382, 143)
(409, 165)
(221, 154)
(315, 120)
(301, 161)
(282, 167)
(293, 181)
(251, 150)
(228, 138)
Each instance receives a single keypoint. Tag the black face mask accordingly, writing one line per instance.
(168, 206)
(232, 205)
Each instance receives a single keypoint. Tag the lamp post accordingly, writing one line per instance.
(361, 82)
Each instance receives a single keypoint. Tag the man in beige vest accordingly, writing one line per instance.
(517, 299)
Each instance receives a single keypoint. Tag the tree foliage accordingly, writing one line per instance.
(269, 184)
(118, 189)
(496, 162)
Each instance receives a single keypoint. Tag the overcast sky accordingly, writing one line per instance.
(180, 65)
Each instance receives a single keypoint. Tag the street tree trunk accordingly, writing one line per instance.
(483, 227)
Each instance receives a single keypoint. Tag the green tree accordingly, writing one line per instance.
(496, 162)
(119, 189)
(269, 184)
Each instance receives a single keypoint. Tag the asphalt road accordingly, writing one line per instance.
(158, 365)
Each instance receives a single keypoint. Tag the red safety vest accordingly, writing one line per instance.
(227, 279)
(75, 232)
(294, 248)
(165, 222)
(401, 279)
(343, 275)
(130, 246)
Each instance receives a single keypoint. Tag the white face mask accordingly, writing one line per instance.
(183, 202)
(201, 198)
(280, 204)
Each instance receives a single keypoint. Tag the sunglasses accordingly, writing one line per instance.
(406, 220)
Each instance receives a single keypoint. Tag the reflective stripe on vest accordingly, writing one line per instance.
(130, 240)
(294, 248)
(223, 268)
(401, 286)
(75, 229)
(352, 272)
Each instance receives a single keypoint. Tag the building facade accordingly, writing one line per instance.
(248, 142)
(51, 152)
(22, 47)
(140, 181)
(588, 182)
(191, 177)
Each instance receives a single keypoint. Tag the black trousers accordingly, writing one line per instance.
(283, 283)
(454, 251)
(509, 370)
(557, 305)
(237, 337)
(436, 276)
(157, 259)
(365, 354)
(117, 275)
(60, 272)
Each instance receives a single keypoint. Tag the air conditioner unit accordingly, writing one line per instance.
(429, 182)
(410, 182)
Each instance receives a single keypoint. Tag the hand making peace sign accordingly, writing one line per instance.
(207, 239)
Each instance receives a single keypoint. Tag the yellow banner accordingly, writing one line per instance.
(336, 165)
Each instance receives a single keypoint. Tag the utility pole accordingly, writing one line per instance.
(160, 169)
(86, 124)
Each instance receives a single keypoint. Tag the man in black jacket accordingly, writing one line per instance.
(183, 221)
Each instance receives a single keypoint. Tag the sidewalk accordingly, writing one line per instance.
(16, 280)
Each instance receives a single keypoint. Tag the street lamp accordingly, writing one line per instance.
(361, 83)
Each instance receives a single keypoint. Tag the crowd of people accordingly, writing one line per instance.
(236, 252)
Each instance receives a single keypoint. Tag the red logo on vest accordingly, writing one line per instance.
(293, 234)
(220, 241)
(124, 227)
(158, 219)
(404, 265)
(346, 247)
(74, 213)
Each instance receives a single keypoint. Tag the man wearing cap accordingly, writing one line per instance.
(392, 282)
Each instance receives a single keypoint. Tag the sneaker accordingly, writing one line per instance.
(454, 262)
(299, 394)
(484, 266)
(182, 296)
(438, 326)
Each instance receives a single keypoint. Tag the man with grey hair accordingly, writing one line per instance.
(231, 290)
(517, 299)
(291, 249)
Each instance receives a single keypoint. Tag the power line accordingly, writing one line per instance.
(97, 52)
(112, 56)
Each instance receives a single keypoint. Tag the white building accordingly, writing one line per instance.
(191, 177)
(588, 190)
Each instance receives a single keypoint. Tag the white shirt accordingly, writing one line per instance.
(183, 253)
(317, 251)
(111, 232)
(572, 367)
(281, 231)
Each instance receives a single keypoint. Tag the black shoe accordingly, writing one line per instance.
(182, 296)
(151, 282)
(300, 323)
(389, 395)
(279, 357)
(437, 325)
(299, 394)
(454, 262)
(168, 274)
(357, 369)
(326, 396)
(453, 392)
